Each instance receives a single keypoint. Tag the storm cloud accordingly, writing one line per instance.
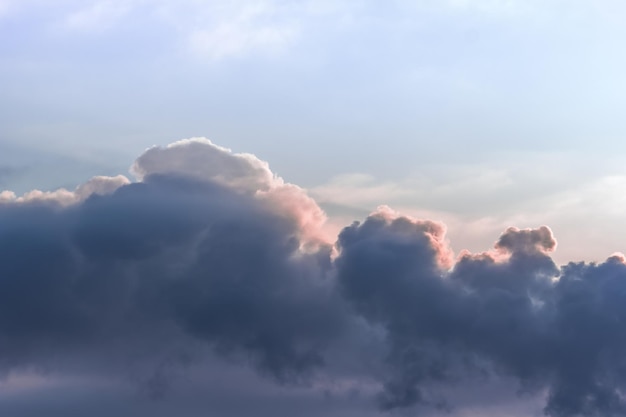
(210, 251)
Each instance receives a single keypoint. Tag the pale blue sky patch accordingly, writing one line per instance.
(419, 96)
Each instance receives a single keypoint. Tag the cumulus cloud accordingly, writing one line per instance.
(210, 250)
(219, 265)
(528, 241)
(97, 185)
(199, 158)
(505, 317)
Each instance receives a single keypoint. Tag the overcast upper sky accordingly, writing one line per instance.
(479, 114)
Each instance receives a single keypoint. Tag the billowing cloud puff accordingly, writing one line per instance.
(504, 317)
(528, 241)
(171, 256)
(199, 158)
(211, 251)
(97, 185)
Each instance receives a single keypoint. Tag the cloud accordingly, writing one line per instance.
(478, 203)
(234, 39)
(97, 185)
(497, 7)
(249, 27)
(201, 159)
(119, 266)
(358, 189)
(209, 30)
(514, 240)
(98, 15)
(112, 257)
(501, 316)
(208, 257)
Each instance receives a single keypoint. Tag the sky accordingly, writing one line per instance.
(337, 208)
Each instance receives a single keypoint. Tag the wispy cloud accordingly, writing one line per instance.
(99, 15)
(4, 7)
(248, 30)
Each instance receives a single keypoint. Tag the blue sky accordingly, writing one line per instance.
(518, 99)
(480, 114)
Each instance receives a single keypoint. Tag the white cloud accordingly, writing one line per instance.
(199, 158)
(489, 6)
(250, 28)
(232, 39)
(98, 16)
(438, 190)
(100, 185)
(359, 190)
(478, 202)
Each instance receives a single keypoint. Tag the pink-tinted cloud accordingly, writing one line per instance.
(245, 173)
(210, 250)
(100, 185)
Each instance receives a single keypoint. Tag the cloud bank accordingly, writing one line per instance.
(210, 251)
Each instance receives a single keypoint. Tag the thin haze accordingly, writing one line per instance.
(200, 277)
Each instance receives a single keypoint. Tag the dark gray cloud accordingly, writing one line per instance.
(221, 266)
(500, 313)
(192, 268)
